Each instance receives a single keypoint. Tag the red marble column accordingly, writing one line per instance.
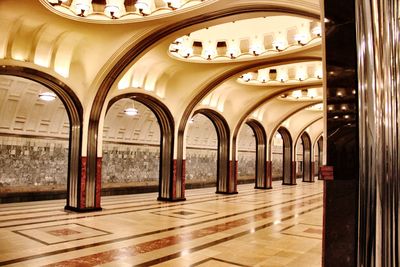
(268, 175)
(98, 183)
(293, 175)
(236, 173)
(183, 187)
(231, 186)
(82, 186)
(173, 183)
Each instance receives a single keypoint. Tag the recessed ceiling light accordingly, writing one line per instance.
(47, 96)
(131, 111)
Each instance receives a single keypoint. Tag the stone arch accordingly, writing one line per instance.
(166, 123)
(320, 146)
(224, 165)
(73, 107)
(289, 176)
(138, 49)
(307, 168)
(261, 180)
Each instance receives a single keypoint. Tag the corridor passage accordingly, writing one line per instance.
(277, 227)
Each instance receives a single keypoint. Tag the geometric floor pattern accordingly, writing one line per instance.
(275, 227)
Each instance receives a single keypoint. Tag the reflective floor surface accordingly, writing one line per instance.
(277, 227)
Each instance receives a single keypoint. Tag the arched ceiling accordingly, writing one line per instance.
(246, 140)
(23, 112)
(82, 53)
(121, 127)
(201, 133)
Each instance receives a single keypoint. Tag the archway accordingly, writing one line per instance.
(57, 137)
(201, 153)
(318, 155)
(307, 168)
(288, 176)
(246, 155)
(166, 126)
(131, 149)
(224, 165)
(261, 154)
(298, 158)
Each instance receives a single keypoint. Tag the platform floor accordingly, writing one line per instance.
(277, 227)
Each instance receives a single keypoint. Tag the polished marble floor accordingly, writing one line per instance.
(277, 227)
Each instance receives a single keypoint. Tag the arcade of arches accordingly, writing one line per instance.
(170, 132)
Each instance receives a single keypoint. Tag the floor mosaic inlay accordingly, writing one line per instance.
(277, 227)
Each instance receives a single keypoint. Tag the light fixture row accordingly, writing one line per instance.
(115, 9)
(299, 73)
(302, 95)
(184, 46)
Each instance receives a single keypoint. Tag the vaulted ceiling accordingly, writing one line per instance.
(243, 59)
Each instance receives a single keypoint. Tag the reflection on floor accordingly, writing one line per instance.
(277, 227)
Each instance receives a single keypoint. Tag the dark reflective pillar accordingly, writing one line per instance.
(341, 194)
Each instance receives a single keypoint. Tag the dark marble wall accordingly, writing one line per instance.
(126, 165)
(32, 164)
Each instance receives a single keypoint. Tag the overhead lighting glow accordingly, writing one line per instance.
(112, 11)
(82, 7)
(131, 111)
(247, 77)
(278, 44)
(301, 38)
(47, 96)
(143, 7)
(312, 93)
(297, 94)
(316, 30)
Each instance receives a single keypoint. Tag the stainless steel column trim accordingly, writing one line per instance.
(378, 54)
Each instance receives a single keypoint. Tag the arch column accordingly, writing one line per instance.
(74, 110)
(226, 168)
(307, 161)
(262, 181)
(167, 186)
(320, 144)
(289, 165)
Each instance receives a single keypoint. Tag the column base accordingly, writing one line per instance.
(308, 181)
(171, 199)
(289, 184)
(81, 209)
(226, 193)
(262, 187)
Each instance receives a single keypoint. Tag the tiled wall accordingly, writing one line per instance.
(201, 166)
(130, 165)
(246, 165)
(32, 164)
(277, 164)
